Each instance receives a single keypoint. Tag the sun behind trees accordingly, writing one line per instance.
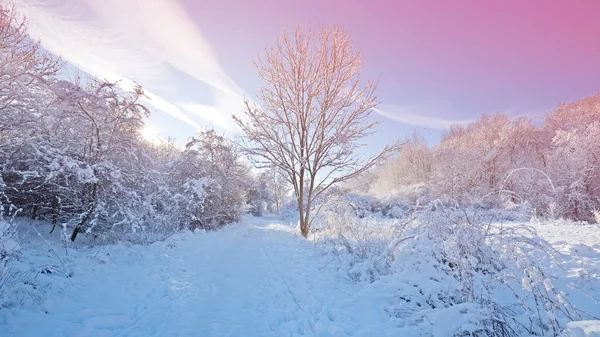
(72, 154)
(314, 111)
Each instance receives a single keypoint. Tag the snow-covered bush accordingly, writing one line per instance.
(260, 196)
(17, 287)
(411, 166)
(596, 214)
(363, 205)
(455, 266)
(504, 269)
(226, 180)
(288, 211)
(362, 244)
(573, 162)
(278, 188)
(9, 245)
(71, 153)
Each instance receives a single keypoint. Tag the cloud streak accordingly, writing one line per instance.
(417, 116)
(141, 41)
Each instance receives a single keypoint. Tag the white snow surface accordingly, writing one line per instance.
(255, 278)
(580, 247)
(583, 329)
(250, 279)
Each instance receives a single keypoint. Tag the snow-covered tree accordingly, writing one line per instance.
(26, 71)
(260, 197)
(574, 158)
(106, 147)
(412, 165)
(314, 112)
(474, 161)
(210, 168)
(278, 186)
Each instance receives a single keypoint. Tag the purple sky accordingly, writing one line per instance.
(440, 61)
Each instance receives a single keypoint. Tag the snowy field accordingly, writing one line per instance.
(256, 278)
(579, 248)
(251, 279)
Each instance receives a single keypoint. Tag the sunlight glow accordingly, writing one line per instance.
(104, 40)
(150, 134)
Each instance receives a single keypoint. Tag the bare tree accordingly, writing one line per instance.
(278, 185)
(314, 111)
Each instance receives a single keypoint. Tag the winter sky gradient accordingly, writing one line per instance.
(441, 62)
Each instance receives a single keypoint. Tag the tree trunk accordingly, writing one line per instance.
(88, 213)
(303, 227)
(74, 234)
(81, 223)
(302, 220)
(34, 212)
(304, 224)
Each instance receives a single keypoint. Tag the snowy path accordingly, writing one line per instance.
(244, 280)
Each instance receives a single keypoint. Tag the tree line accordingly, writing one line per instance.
(553, 167)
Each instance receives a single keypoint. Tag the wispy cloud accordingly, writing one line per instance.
(172, 109)
(418, 116)
(140, 41)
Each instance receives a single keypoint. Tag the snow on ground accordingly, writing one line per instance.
(577, 268)
(578, 245)
(425, 298)
(256, 278)
(249, 279)
(583, 329)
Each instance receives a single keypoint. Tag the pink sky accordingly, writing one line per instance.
(440, 61)
(501, 54)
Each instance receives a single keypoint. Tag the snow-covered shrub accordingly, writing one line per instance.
(288, 211)
(214, 160)
(260, 197)
(278, 188)
(596, 214)
(490, 279)
(16, 287)
(363, 205)
(362, 240)
(502, 269)
(9, 245)
(411, 167)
